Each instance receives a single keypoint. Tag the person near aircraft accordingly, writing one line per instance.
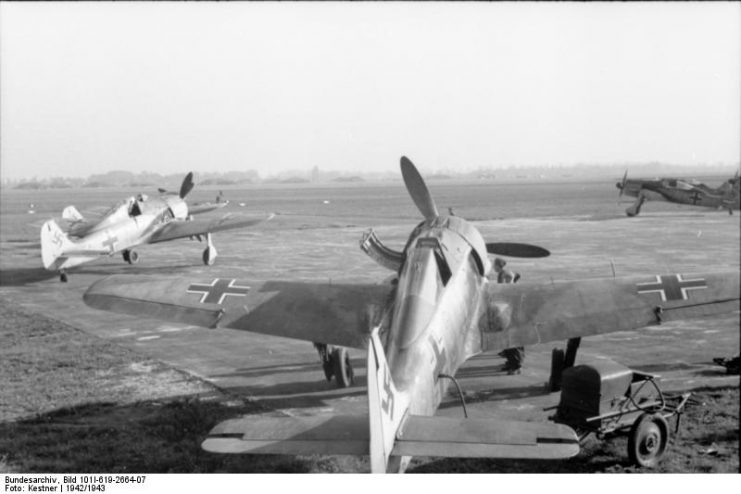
(515, 356)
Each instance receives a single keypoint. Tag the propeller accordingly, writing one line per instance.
(418, 190)
(622, 184)
(185, 187)
(512, 249)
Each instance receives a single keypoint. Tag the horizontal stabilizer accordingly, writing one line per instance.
(484, 438)
(324, 435)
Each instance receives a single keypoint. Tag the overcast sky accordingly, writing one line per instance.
(87, 88)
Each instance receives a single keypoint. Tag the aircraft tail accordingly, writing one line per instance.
(53, 242)
(71, 213)
(386, 408)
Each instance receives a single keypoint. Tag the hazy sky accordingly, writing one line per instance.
(91, 87)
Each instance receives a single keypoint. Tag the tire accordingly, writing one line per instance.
(63, 277)
(648, 440)
(126, 254)
(206, 255)
(343, 372)
(133, 257)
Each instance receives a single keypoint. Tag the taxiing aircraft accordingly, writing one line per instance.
(440, 310)
(134, 221)
(682, 192)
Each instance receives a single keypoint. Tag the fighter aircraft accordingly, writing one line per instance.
(681, 191)
(439, 310)
(134, 221)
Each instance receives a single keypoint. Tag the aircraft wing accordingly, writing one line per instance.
(526, 314)
(337, 314)
(184, 229)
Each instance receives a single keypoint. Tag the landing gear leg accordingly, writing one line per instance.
(560, 361)
(636, 207)
(209, 255)
(63, 276)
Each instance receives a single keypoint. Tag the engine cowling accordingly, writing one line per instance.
(178, 208)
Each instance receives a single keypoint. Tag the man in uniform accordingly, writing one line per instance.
(515, 356)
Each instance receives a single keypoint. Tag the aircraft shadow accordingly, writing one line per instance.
(268, 370)
(154, 436)
(24, 276)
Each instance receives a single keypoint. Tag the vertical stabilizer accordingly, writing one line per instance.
(53, 243)
(386, 407)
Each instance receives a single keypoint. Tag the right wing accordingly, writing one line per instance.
(337, 314)
(532, 313)
(183, 229)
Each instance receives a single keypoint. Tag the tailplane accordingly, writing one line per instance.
(71, 214)
(387, 409)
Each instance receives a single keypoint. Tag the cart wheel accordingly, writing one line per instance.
(343, 373)
(648, 438)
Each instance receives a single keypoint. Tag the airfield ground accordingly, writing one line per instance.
(237, 372)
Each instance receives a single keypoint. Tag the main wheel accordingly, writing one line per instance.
(343, 372)
(133, 257)
(208, 260)
(126, 254)
(63, 277)
(648, 439)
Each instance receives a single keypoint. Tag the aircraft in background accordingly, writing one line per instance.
(682, 192)
(440, 309)
(134, 221)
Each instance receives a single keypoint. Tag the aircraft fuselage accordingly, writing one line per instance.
(436, 307)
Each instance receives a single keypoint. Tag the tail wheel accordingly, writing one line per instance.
(343, 372)
(648, 439)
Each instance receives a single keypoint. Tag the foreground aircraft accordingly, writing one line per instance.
(682, 192)
(440, 310)
(134, 221)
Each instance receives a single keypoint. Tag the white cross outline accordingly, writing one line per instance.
(662, 291)
(213, 284)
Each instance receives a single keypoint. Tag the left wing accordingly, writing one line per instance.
(526, 314)
(337, 314)
(183, 229)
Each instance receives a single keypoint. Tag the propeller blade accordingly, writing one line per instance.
(418, 190)
(187, 185)
(511, 249)
(622, 184)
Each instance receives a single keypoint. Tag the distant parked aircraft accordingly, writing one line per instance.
(682, 192)
(134, 221)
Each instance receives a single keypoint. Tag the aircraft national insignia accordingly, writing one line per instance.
(671, 287)
(217, 290)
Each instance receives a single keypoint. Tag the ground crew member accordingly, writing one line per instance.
(515, 356)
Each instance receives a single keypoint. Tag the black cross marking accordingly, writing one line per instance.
(110, 241)
(217, 290)
(671, 287)
(695, 197)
